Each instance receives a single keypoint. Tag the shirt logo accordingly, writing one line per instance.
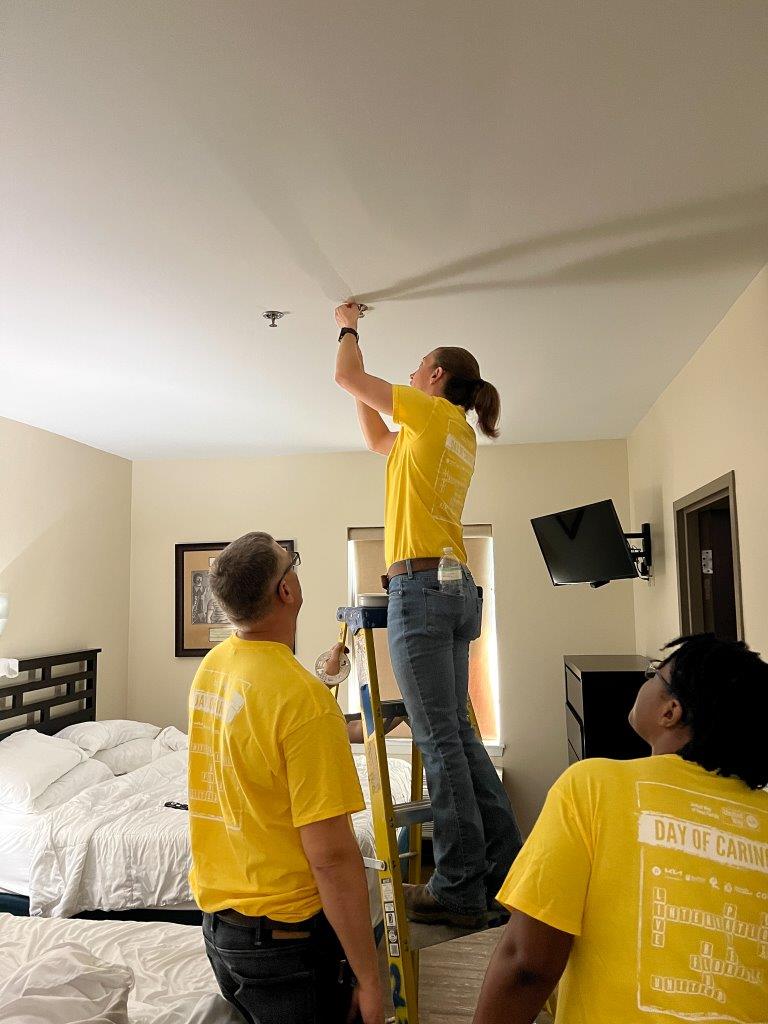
(702, 943)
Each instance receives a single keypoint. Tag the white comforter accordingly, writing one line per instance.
(115, 846)
(124, 972)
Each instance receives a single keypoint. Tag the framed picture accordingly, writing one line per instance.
(200, 622)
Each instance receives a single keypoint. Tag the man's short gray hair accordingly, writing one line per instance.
(242, 576)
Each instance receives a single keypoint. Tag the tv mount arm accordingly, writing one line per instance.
(642, 555)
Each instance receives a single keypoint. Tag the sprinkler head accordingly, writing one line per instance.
(273, 315)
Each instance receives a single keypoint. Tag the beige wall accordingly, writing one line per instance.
(65, 521)
(314, 499)
(711, 419)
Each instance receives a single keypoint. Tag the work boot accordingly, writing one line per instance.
(421, 906)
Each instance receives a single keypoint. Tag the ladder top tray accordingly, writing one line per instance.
(363, 618)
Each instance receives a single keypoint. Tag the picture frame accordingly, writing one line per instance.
(200, 623)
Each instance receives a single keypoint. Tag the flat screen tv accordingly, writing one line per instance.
(585, 545)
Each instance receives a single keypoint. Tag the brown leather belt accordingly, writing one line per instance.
(416, 565)
(277, 929)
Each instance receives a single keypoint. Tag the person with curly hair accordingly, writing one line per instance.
(645, 883)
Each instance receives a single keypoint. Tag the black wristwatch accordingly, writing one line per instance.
(349, 330)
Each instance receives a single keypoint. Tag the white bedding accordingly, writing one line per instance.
(116, 847)
(17, 835)
(170, 977)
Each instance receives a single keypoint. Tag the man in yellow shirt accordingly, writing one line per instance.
(647, 880)
(276, 868)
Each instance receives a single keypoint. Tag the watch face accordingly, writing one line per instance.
(343, 673)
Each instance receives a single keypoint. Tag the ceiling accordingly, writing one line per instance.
(577, 192)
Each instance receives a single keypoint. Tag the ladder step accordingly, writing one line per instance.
(389, 709)
(381, 865)
(421, 936)
(415, 813)
(393, 709)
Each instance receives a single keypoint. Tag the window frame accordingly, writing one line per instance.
(402, 745)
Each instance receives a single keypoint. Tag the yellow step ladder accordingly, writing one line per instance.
(402, 938)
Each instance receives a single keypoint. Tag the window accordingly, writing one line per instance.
(366, 564)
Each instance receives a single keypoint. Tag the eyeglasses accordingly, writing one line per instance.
(654, 672)
(293, 564)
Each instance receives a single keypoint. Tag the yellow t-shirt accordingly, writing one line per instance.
(428, 474)
(660, 870)
(268, 753)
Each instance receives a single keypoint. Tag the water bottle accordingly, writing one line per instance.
(449, 575)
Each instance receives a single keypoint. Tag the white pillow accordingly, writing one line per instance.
(30, 762)
(93, 736)
(127, 757)
(89, 773)
(169, 741)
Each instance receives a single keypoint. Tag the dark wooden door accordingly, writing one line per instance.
(717, 587)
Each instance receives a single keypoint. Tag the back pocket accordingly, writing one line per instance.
(444, 612)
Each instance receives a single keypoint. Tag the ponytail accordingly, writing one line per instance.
(488, 408)
(465, 387)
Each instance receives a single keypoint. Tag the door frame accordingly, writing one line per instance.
(690, 598)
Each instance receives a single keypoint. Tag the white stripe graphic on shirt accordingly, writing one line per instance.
(453, 444)
(454, 473)
(222, 711)
(702, 841)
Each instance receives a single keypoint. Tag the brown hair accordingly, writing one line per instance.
(241, 577)
(465, 387)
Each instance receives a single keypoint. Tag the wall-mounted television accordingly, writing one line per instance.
(585, 545)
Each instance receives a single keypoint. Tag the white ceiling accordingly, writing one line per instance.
(576, 191)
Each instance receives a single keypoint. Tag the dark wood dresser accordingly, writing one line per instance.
(600, 690)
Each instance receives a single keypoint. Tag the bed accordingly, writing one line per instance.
(114, 847)
(67, 971)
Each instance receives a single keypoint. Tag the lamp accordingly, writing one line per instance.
(3, 612)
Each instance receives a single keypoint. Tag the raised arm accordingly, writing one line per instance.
(378, 437)
(350, 375)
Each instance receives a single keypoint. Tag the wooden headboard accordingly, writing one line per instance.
(75, 686)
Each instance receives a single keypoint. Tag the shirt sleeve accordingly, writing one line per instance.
(411, 408)
(549, 879)
(322, 779)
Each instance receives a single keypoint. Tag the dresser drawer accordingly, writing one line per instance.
(575, 731)
(600, 690)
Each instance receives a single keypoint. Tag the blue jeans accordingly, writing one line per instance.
(476, 836)
(302, 981)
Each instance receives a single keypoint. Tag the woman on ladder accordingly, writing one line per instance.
(430, 462)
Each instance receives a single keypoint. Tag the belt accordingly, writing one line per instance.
(277, 929)
(412, 564)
